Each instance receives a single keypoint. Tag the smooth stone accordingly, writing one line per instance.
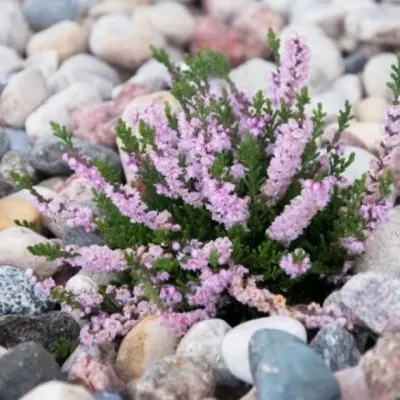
(355, 62)
(80, 284)
(4, 142)
(45, 329)
(107, 7)
(17, 294)
(352, 384)
(369, 133)
(58, 390)
(3, 351)
(66, 38)
(47, 152)
(25, 367)
(337, 347)
(371, 109)
(176, 378)
(146, 343)
(350, 87)
(236, 342)
(13, 251)
(10, 61)
(107, 396)
(41, 14)
(251, 395)
(58, 107)
(332, 103)
(225, 10)
(374, 299)
(377, 73)
(285, 368)
(19, 140)
(45, 61)
(14, 30)
(12, 209)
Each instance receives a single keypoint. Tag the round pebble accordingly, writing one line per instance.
(12, 209)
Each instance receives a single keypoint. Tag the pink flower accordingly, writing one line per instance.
(296, 263)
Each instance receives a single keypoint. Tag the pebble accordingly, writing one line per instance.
(176, 377)
(284, 368)
(332, 102)
(14, 30)
(13, 161)
(41, 14)
(66, 37)
(373, 298)
(47, 152)
(108, 7)
(58, 390)
(4, 142)
(23, 94)
(350, 87)
(10, 61)
(123, 42)
(204, 342)
(18, 139)
(173, 20)
(145, 344)
(360, 165)
(337, 347)
(225, 10)
(12, 209)
(25, 367)
(236, 342)
(45, 329)
(107, 396)
(355, 62)
(377, 73)
(371, 109)
(13, 251)
(45, 61)
(80, 284)
(5, 187)
(369, 133)
(17, 294)
(352, 384)
(57, 108)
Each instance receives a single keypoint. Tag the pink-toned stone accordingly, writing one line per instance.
(251, 27)
(225, 10)
(214, 34)
(352, 384)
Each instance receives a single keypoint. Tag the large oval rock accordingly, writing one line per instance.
(236, 342)
(18, 140)
(45, 61)
(9, 61)
(371, 109)
(58, 390)
(12, 209)
(145, 344)
(57, 108)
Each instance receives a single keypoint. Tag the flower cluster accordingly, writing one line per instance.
(230, 203)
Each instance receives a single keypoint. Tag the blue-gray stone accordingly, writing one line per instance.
(17, 293)
(107, 396)
(41, 14)
(285, 368)
(355, 62)
(337, 347)
(46, 155)
(18, 139)
(23, 368)
(4, 142)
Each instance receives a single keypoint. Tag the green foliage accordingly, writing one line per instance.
(62, 349)
(28, 224)
(62, 133)
(52, 251)
(394, 85)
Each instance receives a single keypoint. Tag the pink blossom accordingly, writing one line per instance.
(296, 263)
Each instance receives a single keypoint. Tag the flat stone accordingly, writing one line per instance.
(285, 368)
(25, 367)
(337, 347)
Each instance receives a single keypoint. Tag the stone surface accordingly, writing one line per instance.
(17, 294)
(13, 161)
(19, 140)
(23, 94)
(25, 367)
(204, 342)
(41, 14)
(12, 209)
(4, 142)
(355, 62)
(66, 37)
(57, 108)
(60, 391)
(337, 347)
(352, 384)
(371, 109)
(44, 329)
(107, 396)
(350, 87)
(283, 368)
(13, 251)
(176, 378)
(373, 298)
(152, 75)
(9, 60)
(236, 342)
(225, 10)
(145, 344)
(45, 61)
(80, 284)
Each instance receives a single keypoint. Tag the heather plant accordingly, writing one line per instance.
(235, 207)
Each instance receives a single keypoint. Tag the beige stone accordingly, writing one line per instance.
(146, 343)
(369, 133)
(12, 209)
(66, 37)
(53, 390)
(371, 109)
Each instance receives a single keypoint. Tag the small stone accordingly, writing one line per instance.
(108, 7)
(203, 342)
(369, 133)
(371, 109)
(58, 390)
(355, 62)
(236, 341)
(12, 209)
(10, 61)
(352, 384)
(332, 102)
(44, 329)
(17, 295)
(4, 142)
(360, 165)
(107, 396)
(13, 251)
(66, 37)
(80, 284)
(337, 347)
(381, 367)
(225, 10)
(25, 367)
(5, 187)
(176, 378)
(373, 298)
(19, 140)
(47, 152)
(14, 31)
(250, 76)
(350, 87)
(376, 74)
(45, 61)
(251, 27)
(213, 34)
(145, 344)
(285, 368)
(57, 108)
